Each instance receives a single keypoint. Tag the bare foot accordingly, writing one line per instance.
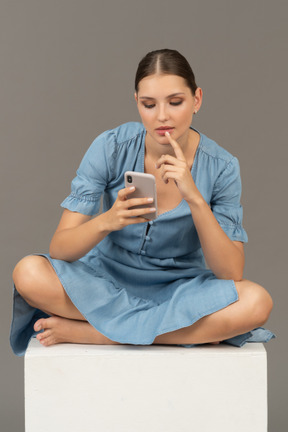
(62, 330)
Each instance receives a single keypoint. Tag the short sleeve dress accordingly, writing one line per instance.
(146, 279)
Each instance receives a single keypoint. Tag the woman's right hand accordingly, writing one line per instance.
(77, 234)
(123, 211)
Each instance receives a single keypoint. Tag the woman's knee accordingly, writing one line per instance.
(26, 273)
(265, 305)
(258, 300)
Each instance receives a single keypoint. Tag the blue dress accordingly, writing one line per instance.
(146, 279)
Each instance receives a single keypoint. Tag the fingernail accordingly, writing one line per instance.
(37, 327)
(150, 199)
(167, 133)
(131, 188)
(152, 209)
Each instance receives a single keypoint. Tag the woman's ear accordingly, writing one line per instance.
(136, 97)
(198, 99)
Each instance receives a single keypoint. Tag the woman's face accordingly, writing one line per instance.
(165, 102)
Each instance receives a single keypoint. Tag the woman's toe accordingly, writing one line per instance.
(40, 324)
(43, 335)
(44, 341)
(48, 341)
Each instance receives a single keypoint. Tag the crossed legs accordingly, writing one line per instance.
(37, 282)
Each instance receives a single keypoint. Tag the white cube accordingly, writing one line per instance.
(125, 388)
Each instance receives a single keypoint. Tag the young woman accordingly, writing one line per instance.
(116, 278)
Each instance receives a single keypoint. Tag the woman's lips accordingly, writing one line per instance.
(162, 130)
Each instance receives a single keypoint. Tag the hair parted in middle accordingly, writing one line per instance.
(167, 62)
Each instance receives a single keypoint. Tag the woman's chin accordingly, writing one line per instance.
(161, 139)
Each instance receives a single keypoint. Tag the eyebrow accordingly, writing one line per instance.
(169, 96)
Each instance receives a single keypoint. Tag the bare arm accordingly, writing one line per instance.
(77, 234)
(223, 256)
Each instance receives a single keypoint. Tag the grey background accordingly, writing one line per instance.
(67, 73)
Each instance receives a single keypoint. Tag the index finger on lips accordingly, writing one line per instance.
(177, 149)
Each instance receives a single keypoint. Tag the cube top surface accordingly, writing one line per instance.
(35, 349)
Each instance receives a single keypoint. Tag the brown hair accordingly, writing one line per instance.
(165, 61)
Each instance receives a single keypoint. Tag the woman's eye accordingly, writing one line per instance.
(176, 103)
(149, 106)
(152, 105)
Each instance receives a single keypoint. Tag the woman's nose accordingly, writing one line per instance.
(163, 113)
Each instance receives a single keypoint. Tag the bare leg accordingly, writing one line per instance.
(250, 311)
(240, 317)
(37, 282)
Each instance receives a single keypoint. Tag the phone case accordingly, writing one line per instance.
(145, 187)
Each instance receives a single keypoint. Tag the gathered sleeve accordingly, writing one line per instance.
(93, 175)
(225, 202)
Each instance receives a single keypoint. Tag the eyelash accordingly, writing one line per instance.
(171, 103)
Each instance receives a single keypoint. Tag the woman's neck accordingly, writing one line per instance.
(188, 143)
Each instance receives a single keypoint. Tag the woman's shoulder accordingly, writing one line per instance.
(213, 150)
(125, 132)
(218, 163)
(113, 141)
(117, 147)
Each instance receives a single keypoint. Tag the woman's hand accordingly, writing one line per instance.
(123, 211)
(176, 168)
(77, 234)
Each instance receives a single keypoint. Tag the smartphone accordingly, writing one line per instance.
(145, 187)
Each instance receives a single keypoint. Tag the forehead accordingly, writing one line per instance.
(159, 85)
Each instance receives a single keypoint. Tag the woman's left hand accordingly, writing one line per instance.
(176, 168)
